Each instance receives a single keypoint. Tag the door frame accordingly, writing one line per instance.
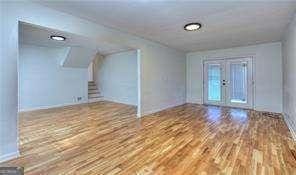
(252, 57)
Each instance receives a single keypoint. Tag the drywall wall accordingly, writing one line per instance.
(163, 79)
(162, 69)
(117, 77)
(78, 57)
(156, 93)
(90, 70)
(267, 67)
(8, 84)
(289, 76)
(44, 83)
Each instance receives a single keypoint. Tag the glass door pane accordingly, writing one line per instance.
(214, 82)
(214, 74)
(239, 86)
(238, 82)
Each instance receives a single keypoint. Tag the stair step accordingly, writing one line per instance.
(93, 91)
(92, 88)
(95, 99)
(94, 95)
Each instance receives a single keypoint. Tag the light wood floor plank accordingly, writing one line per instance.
(107, 138)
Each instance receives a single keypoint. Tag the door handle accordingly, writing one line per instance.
(223, 82)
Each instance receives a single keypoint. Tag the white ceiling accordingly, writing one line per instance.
(36, 35)
(225, 24)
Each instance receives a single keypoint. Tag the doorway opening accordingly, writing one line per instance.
(55, 74)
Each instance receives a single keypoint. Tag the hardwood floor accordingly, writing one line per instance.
(106, 138)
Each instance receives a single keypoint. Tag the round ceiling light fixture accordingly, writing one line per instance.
(192, 26)
(57, 37)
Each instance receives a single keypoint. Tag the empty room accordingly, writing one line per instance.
(148, 87)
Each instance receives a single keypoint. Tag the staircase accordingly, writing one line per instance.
(93, 92)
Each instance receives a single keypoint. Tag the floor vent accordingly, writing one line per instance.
(272, 115)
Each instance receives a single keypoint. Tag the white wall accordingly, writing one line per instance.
(267, 73)
(289, 76)
(8, 84)
(164, 80)
(44, 83)
(78, 57)
(117, 77)
(90, 70)
(163, 70)
(155, 92)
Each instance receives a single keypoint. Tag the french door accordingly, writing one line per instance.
(228, 82)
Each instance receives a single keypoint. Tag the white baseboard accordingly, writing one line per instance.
(161, 109)
(200, 102)
(139, 115)
(9, 156)
(52, 106)
(118, 101)
(291, 125)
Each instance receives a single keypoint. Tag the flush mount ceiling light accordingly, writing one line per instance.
(192, 26)
(57, 37)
